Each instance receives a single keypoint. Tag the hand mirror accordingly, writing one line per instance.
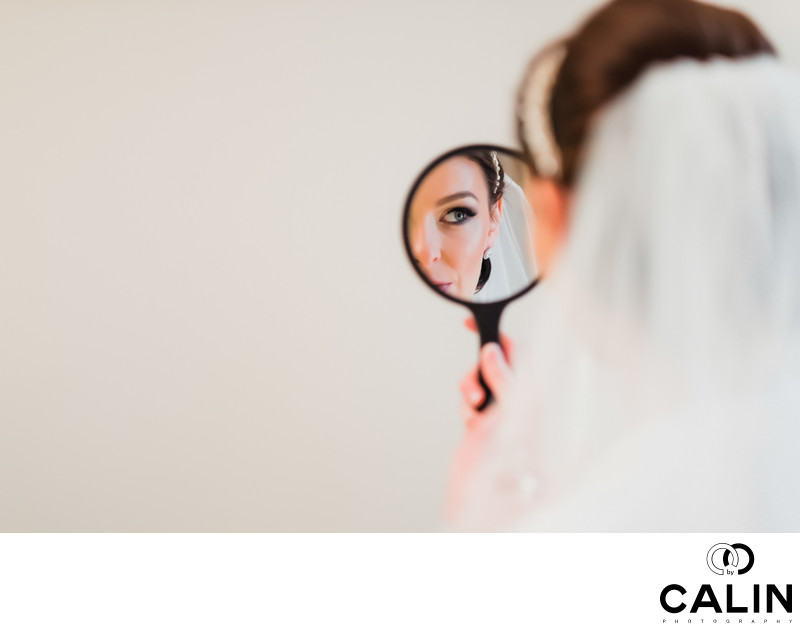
(468, 231)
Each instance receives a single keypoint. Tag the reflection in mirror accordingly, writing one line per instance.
(469, 226)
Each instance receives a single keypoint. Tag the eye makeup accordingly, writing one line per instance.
(458, 215)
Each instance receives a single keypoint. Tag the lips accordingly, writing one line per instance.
(445, 287)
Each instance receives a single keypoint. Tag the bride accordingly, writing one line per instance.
(662, 389)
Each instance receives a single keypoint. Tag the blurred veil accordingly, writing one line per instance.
(513, 263)
(664, 390)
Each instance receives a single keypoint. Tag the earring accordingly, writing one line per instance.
(487, 254)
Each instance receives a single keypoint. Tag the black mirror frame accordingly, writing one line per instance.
(486, 314)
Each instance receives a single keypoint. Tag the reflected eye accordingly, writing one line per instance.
(458, 215)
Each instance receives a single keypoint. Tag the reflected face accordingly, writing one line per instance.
(451, 225)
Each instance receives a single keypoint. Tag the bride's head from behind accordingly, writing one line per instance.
(568, 83)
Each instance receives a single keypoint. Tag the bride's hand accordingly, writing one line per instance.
(495, 365)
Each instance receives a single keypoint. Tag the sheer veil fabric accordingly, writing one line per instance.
(662, 389)
(513, 261)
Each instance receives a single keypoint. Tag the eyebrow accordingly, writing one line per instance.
(450, 198)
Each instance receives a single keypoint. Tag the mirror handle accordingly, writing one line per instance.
(488, 397)
(487, 317)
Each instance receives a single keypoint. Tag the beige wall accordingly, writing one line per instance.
(206, 318)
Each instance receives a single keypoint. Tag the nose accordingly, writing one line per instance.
(426, 242)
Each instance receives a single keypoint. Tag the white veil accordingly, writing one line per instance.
(513, 262)
(664, 391)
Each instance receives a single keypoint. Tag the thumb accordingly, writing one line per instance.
(495, 369)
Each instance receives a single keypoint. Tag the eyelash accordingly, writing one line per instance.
(466, 211)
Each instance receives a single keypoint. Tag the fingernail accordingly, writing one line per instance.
(475, 397)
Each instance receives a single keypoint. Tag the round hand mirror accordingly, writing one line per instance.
(468, 231)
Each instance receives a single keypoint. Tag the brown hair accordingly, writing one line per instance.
(616, 45)
(494, 175)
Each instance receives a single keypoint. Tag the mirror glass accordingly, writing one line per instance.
(468, 225)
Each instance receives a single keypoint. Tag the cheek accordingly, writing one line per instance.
(541, 247)
(543, 235)
(464, 250)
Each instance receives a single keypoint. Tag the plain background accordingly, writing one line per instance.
(207, 321)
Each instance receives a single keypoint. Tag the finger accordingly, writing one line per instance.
(471, 324)
(495, 369)
(470, 416)
(471, 388)
(508, 348)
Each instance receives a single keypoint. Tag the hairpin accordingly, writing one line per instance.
(497, 171)
(538, 128)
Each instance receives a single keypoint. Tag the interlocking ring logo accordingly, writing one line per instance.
(730, 558)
